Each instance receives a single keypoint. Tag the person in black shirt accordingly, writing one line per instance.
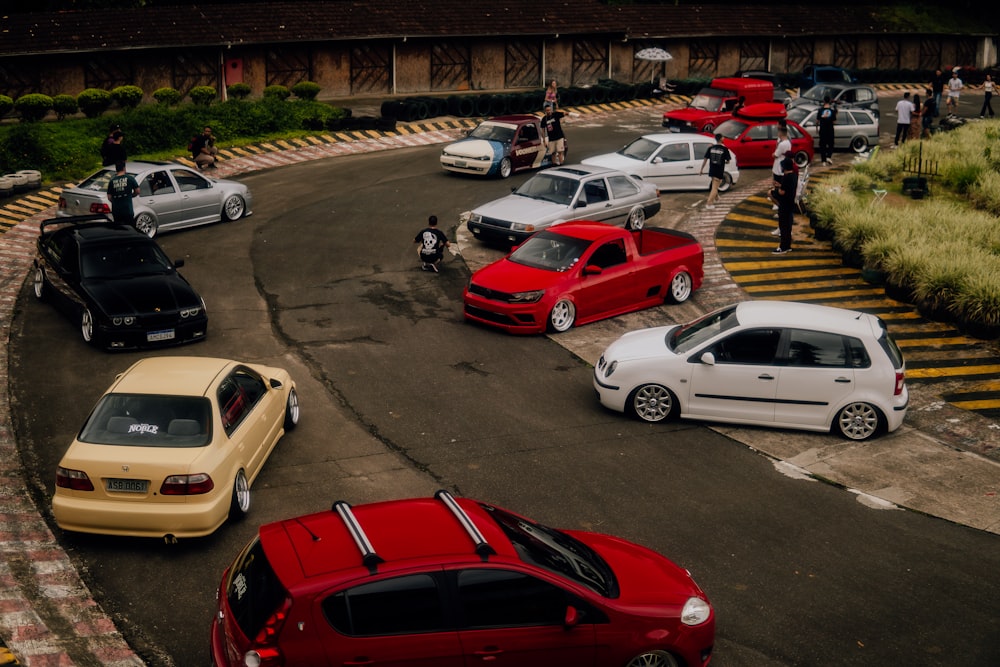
(554, 137)
(431, 243)
(113, 150)
(716, 157)
(827, 117)
(121, 188)
(786, 205)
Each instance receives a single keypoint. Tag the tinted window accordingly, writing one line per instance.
(675, 153)
(156, 183)
(862, 118)
(609, 254)
(756, 346)
(149, 420)
(188, 180)
(858, 354)
(402, 605)
(233, 405)
(528, 133)
(253, 591)
(98, 182)
(123, 260)
(864, 95)
(701, 148)
(816, 348)
(759, 133)
(550, 251)
(689, 336)
(621, 186)
(595, 192)
(499, 598)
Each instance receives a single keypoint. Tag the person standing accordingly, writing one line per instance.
(927, 114)
(113, 148)
(554, 138)
(121, 188)
(203, 150)
(915, 119)
(827, 117)
(955, 86)
(938, 82)
(786, 205)
(716, 157)
(784, 145)
(552, 94)
(988, 88)
(431, 243)
(904, 115)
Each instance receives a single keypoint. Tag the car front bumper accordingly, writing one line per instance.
(133, 338)
(521, 318)
(467, 166)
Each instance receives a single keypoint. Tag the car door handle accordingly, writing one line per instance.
(843, 379)
(765, 376)
(488, 652)
(360, 660)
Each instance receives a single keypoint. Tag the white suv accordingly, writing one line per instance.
(782, 364)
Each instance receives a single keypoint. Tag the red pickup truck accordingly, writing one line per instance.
(714, 105)
(580, 272)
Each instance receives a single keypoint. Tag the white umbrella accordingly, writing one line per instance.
(653, 53)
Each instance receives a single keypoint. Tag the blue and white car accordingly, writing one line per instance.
(498, 147)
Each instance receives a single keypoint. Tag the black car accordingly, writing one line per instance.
(117, 283)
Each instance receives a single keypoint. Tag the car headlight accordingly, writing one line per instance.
(475, 218)
(521, 227)
(127, 320)
(610, 369)
(189, 312)
(527, 297)
(696, 611)
(483, 158)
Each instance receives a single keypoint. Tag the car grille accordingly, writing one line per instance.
(486, 293)
(497, 318)
(159, 320)
(494, 222)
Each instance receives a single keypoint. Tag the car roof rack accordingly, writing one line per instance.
(368, 555)
(483, 547)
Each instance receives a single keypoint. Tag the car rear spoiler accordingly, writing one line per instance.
(95, 219)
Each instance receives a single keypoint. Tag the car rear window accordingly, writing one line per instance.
(97, 182)
(252, 589)
(149, 420)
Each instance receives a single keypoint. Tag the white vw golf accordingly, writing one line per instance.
(781, 364)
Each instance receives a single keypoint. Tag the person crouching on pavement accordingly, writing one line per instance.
(203, 150)
(431, 243)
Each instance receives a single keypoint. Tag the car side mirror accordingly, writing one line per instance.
(572, 618)
(275, 384)
(657, 160)
(592, 270)
(580, 203)
(178, 263)
(708, 359)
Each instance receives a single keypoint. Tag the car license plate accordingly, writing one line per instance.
(128, 485)
(166, 334)
(461, 163)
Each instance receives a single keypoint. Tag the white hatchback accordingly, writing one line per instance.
(768, 363)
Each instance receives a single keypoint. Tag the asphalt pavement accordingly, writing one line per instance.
(944, 461)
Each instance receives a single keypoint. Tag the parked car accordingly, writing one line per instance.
(782, 364)
(780, 94)
(669, 161)
(715, 104)
(116, 283)
(564, 193)
(844, 95)
(580, 272)
(813, 75)
(171, 196)
(173, 447)
(448, 582)
(499, 147)
(752, 135)
(856, 129)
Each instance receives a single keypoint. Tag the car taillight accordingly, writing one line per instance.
(265, 652)
(100, 207)
(76, 480)
(187, 485)
(900, 381)
(62, 202)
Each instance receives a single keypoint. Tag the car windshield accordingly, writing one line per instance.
(549, 187)
(549, 251)
(149, 420)
(709, 99)
(556, 551)
(640, 149)
(818, 93)
(123, 260)
(493, 132)
(732, 128)
(693, 334)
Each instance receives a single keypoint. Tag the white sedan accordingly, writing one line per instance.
(782, 364)
(671, 161)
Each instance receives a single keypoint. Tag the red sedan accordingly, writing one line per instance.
(580, 272)
(752, 134)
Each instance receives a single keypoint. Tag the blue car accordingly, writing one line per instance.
(498, 147)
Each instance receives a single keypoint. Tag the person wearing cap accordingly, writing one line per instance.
(785, 194)
(121, 188)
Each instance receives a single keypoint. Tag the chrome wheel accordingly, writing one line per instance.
(652, 403)
(727, 182)
(292, 410)
(241, 496)
(859, 144)
(562, 316)
(801, 158)
(653, 659)
(39, 283)
(636, 218)
(680, 288)
(146, 224)
(87, 326)
(234, 208)
(505, 168)
(858, 421)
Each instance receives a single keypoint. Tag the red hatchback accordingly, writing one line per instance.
(448, 582)
(752, 134)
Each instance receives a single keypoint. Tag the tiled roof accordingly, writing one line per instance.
(312, 21)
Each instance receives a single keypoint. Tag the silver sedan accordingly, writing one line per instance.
(560, 194)
(171, 196)
(856, 129)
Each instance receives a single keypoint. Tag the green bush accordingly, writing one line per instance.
(127, 97)
(33, 106)
(202, 95)
(167, 96)
(238, 91)
(93, 102)
(64, 105)
(6, 105)
(306, 90)
(276, 92)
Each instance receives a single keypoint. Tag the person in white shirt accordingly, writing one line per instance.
(955, 86)
(904, 116)
(783, 146)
